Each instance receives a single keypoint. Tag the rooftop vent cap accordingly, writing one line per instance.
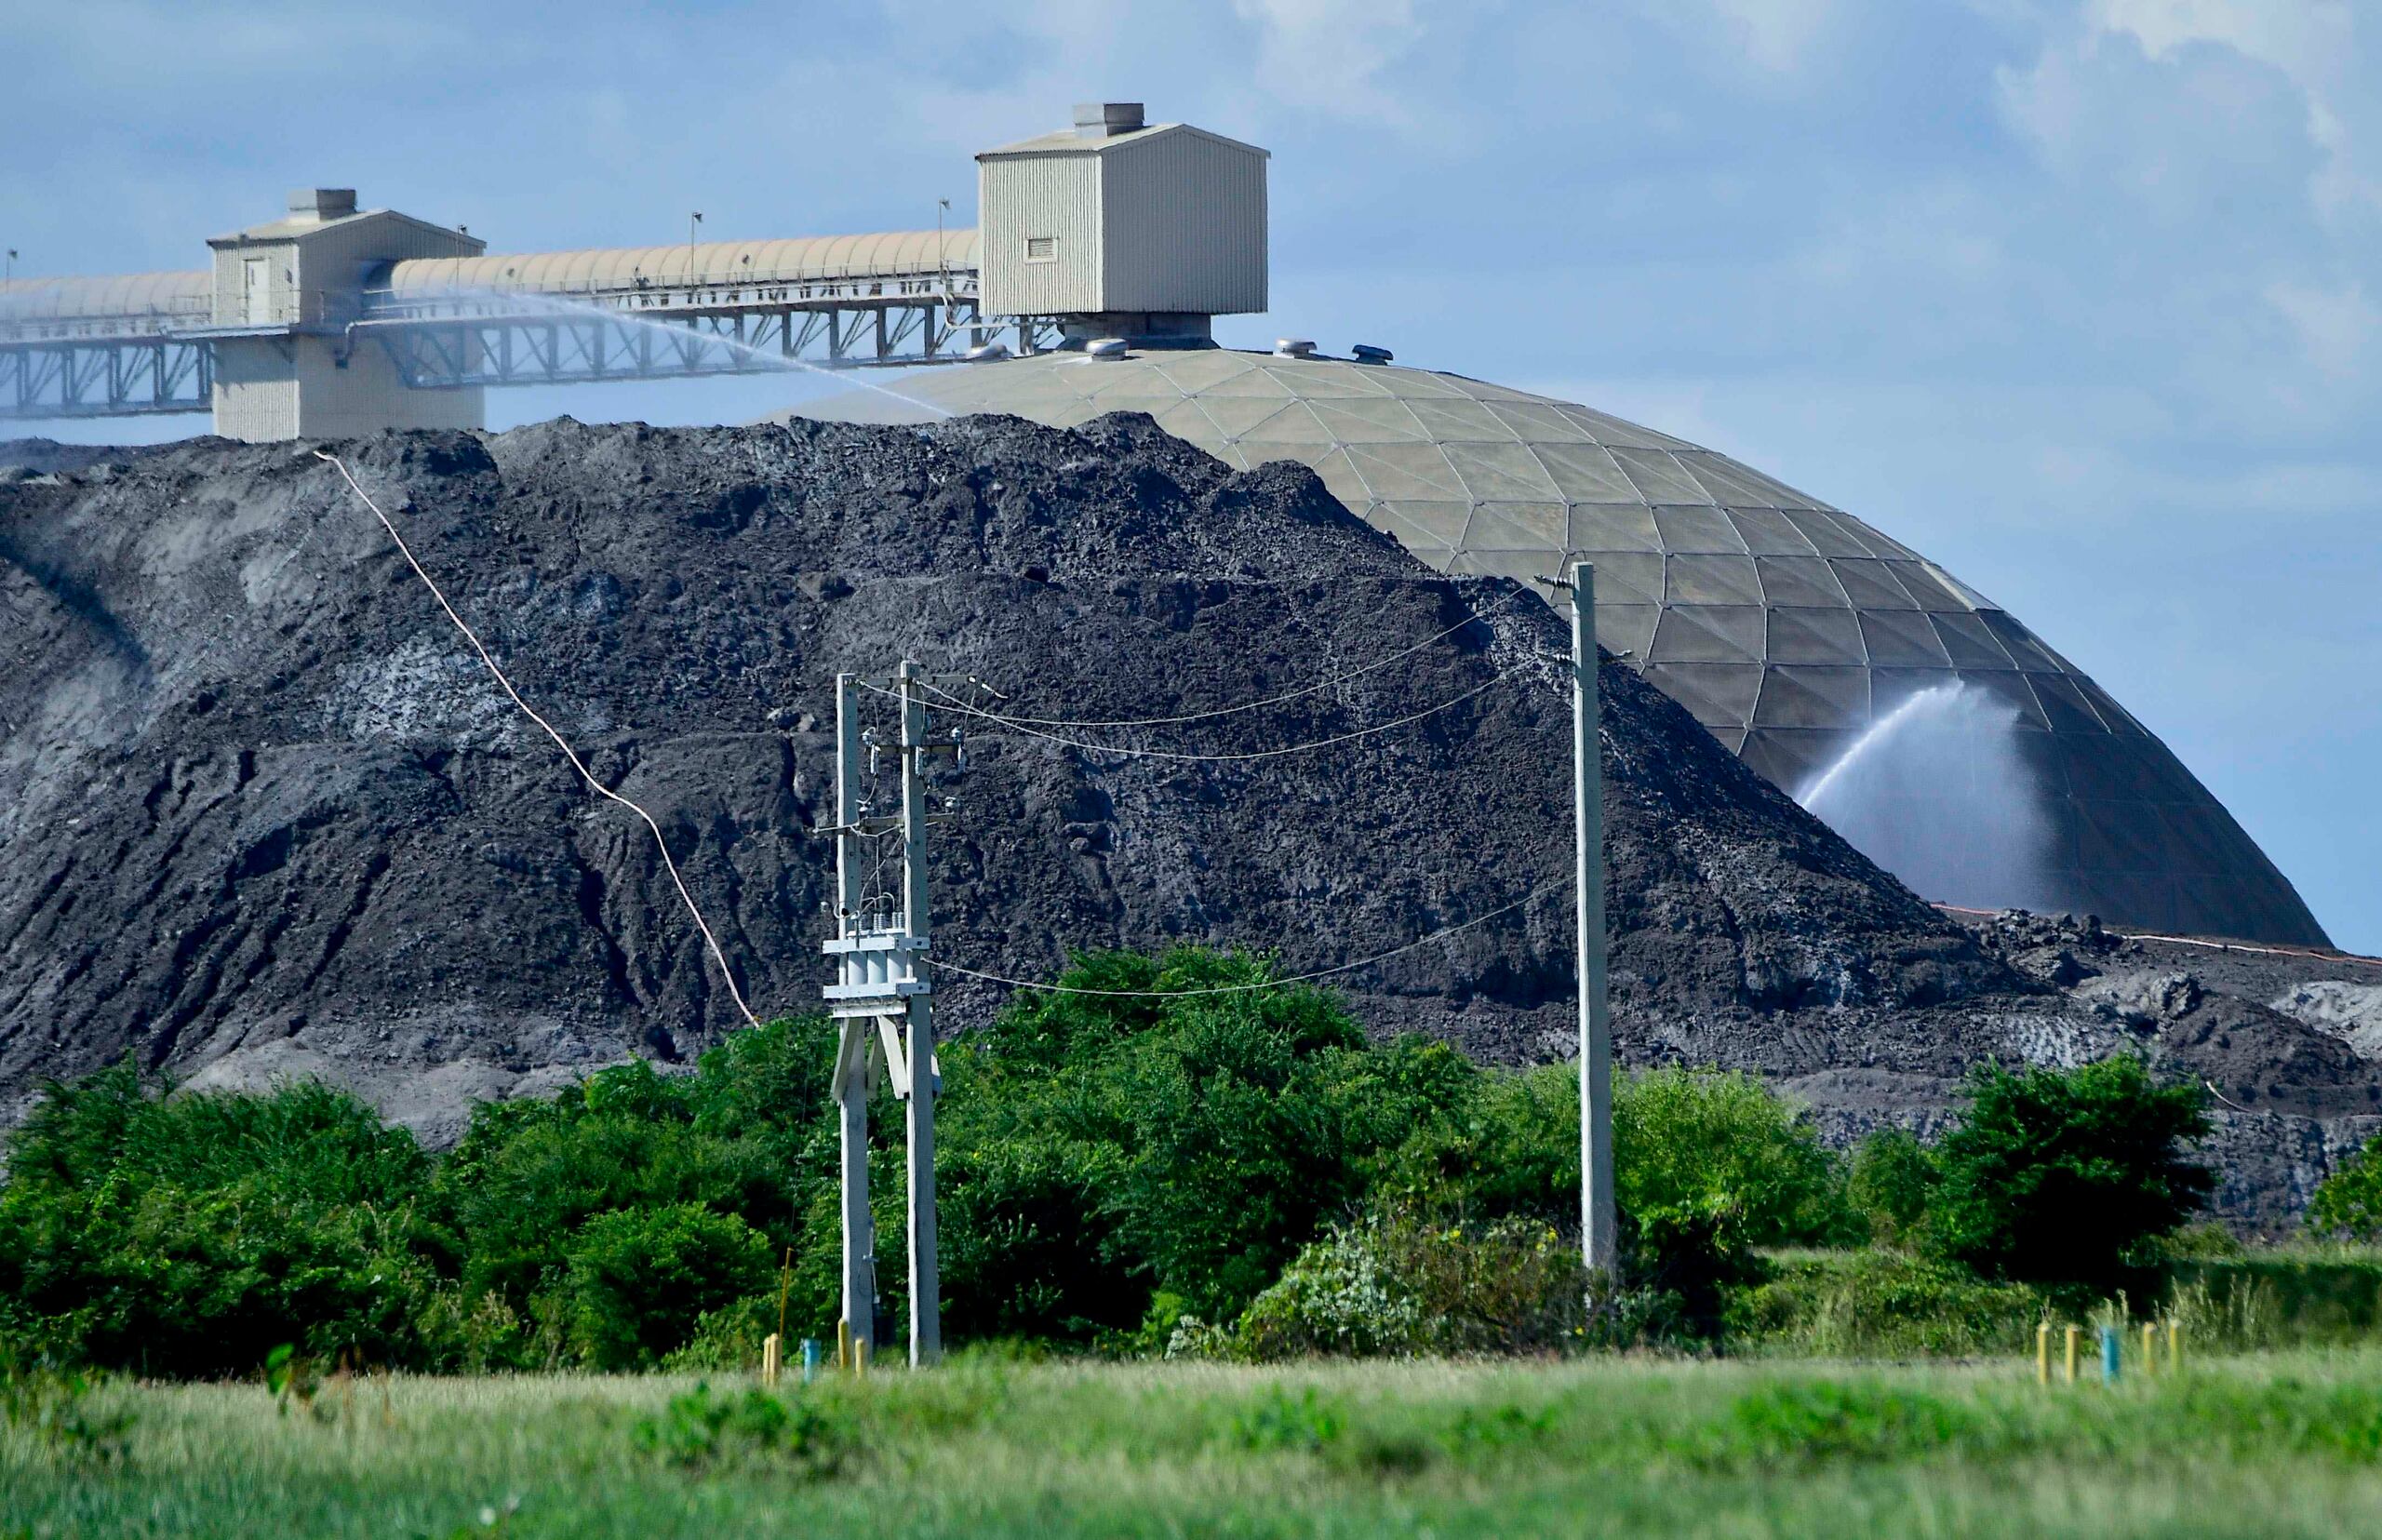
(989, 352)
(1106, 347)
(1293, 347)
(323, 203)
(1366, 354)
(1106, 119)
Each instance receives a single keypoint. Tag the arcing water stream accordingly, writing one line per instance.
(1937, 793)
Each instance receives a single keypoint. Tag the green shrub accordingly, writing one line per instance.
(2064, 1176)
(1401, 1285)
(639, 1279)
(803, 1434)
(2349, 1202)
(1710, 1166)
(1891, 1178)
(189, 1235)
(1883, 1304)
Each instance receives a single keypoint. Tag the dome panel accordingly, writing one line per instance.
(1696, 529)
(1586, 473)
(1698, 580)
(1817, 636)
(1660, 478)
(1710, 634)
(1788, 628)
(1769, 532)
(1901, 639)
(1803, 582)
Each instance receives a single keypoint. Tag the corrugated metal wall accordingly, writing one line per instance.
(1184, 216)
(1038, 195)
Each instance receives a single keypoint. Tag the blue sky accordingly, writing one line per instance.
(2082, 300)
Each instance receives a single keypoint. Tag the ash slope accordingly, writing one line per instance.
(267, 815)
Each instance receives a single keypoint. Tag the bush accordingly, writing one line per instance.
(1881, 1304)
(1401, 1285)
(2064, 1176)
(1708, 1167)
(190, 1235)
(639, 1278)
(2349, 1202)
(1890, 1180)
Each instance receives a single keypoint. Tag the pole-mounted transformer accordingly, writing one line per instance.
(880, 1001)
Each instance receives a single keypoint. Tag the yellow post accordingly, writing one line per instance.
(860, 1354)
(843, 1346)
(2149, 1348)
(771, 1353)
(2043, 1354)
(2073, 1333)
(2175, 1348)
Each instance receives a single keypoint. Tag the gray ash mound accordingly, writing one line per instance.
(266, 815)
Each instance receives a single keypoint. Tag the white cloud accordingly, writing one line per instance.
(1776, 34)
(2335, 326)
(2312, 42)
(1330, 53)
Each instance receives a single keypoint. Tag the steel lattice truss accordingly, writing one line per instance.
(536, 347)
(104, 376)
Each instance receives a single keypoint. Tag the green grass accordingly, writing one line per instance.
(2281, 1445)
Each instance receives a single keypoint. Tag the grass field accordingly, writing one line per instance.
(2285, 1445)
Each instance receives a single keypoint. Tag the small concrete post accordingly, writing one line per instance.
(2073, 1333)
(1598, 1222)
(2042, 1353)
(2175, 1348)
(2109, 1355)
(810, 1354)
(771, 1358)
(2150, 1347)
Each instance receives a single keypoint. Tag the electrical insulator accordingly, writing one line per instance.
(868, 736)
(958, 749)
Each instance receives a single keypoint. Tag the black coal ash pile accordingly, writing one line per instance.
(266, 815)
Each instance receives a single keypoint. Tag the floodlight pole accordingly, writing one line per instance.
(1598, 1222)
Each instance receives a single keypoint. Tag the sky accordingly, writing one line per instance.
(2082, 300)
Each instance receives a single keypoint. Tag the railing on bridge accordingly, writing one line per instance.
(109, 347)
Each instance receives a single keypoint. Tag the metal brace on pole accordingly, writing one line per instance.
(882, 1003)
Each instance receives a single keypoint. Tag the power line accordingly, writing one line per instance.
(1523, 902)
(601, 790)
(1016, 726)
(1315, 687)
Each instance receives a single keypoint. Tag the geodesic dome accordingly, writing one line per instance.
(1787, 627)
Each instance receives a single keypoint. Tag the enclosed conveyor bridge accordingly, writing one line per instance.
(331, 320)
(123, 346)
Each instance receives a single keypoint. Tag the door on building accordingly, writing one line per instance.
(254, 309)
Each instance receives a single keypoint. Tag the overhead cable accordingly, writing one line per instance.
(600, 789)
(1015, 725)
(1301, 692)
(1523, 902)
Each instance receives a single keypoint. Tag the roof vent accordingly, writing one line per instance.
(988, 353)
(1293, 347)
(323, 203)
(1106, 119)
(1366, 353)
(1106, 347)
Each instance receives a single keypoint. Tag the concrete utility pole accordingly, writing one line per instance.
(1599, 1222)
(880, 1001)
